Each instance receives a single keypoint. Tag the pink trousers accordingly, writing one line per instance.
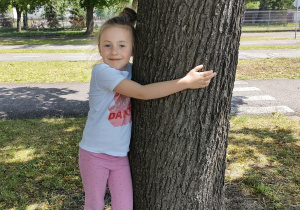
(97, 170)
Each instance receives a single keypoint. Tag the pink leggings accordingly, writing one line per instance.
(97, 170)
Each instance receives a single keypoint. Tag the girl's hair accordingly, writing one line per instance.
(127, 18)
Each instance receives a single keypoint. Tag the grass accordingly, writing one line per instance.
(39, 170)
(79, 71)
(43, 41)
(45, 71)
(45, 36)
(95, 50)
(277, 47)
(263, 158)
(39, 164)
(44, 33)
(265, 38)
(269, 68)
(91, 40)
(266, 28)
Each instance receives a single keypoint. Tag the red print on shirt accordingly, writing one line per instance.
(120, 113)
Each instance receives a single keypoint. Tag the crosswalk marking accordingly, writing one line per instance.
(26, 56)
(240, 82)
(245, 89)
(261, 110)
(250, 100)
(255, 98)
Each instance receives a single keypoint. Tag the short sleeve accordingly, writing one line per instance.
(107, 77)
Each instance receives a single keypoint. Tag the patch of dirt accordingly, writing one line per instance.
(236, 199)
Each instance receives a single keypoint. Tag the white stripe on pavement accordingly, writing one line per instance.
(257, 98)
(26, 56)
(240, 83)
(246, 89)
(262, 110)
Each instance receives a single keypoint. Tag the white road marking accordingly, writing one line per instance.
(246, 89)
(240, 82)
(262, 110)
(255, 98)
(26, 56)
(73, 56)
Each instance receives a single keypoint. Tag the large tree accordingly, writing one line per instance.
(179, 143)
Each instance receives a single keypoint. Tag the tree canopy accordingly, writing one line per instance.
(269, 4)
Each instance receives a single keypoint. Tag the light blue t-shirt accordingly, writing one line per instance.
(108, 126)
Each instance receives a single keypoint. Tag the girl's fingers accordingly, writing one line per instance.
(198, 68)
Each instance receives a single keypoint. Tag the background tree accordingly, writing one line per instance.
(20, 6)
(4, 5)
(77, 16)
(90, 5)
(179, 143)
(271, 4)
(51, 15)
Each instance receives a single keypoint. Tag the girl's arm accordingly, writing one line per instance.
(192, 80)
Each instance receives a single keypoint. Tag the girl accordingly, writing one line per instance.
(105, 142)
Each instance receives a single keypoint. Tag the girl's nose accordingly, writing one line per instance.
(114, 51)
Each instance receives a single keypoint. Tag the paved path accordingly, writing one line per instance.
(250, 97)
(243, 54)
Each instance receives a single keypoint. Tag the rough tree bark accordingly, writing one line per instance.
(179, 143)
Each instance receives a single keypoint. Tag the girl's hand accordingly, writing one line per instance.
(195, 79)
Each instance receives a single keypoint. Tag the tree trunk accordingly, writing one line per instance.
(25, 20)
(19, 13)
(89, 20)
(178, 145)
(262, 5)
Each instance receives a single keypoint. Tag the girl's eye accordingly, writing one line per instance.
(122, 45)
(107, 45)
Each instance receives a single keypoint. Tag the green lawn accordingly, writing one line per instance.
(268, 28)
(269, 68)
(263, 158)
(39, 170)
(80, 71)
(45, 71)
(44, 41)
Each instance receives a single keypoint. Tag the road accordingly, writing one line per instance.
(250, 97)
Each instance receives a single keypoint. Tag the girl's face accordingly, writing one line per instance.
(116, 46)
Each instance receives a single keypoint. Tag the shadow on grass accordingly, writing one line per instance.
(39, 167)
(265, 161)
(36, 102)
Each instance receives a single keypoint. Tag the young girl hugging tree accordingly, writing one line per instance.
(106, 136)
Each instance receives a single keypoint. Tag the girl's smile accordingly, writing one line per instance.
(116, 46)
